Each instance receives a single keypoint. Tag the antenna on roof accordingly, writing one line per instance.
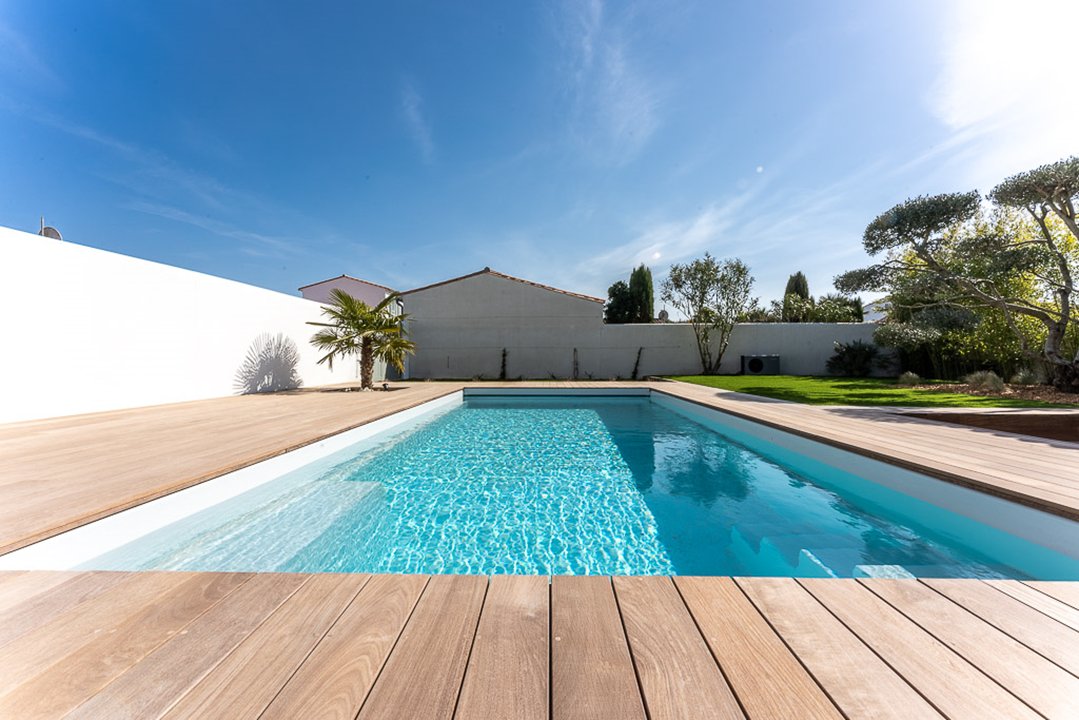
(49, 231)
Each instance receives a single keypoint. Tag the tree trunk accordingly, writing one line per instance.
(367, 364)
(701, 333)
(1066, 377)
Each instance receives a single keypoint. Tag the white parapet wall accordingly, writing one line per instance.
(84, 330)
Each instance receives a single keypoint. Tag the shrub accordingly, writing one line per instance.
(853, 359)
(984, 380)
(1025, 376)
(909, 378)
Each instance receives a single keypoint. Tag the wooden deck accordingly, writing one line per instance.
(234, 645)
(238, 645)
(60, 473)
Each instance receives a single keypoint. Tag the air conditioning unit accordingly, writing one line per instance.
(760, 365)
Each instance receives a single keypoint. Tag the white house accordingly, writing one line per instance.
(876, 311)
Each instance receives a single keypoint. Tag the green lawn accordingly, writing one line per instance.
(849, 391)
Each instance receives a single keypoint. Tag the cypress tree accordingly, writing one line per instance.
(797, 285)
(642, 295)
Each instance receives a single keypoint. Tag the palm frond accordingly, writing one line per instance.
(348, 322)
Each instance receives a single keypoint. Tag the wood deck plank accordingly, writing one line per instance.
(76, 677)
(944, 677)
(852, 675)
(9, 575)
(679, 678)
(33, 652)
(1037, 631)
(23, 587)
(592, 675)
(768, 679)
(252, 675)
(1044, 686)
(507, 674)
(1043, 602)
(40, 608)
(336, 677)
(152, 686)
(434, 647)
(180, 643)
(1065, 592)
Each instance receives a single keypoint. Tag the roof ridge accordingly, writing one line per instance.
(489, 271)
(349, 277)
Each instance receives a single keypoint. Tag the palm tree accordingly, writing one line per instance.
(355, 328)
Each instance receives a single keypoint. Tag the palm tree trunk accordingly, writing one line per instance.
(367, 364)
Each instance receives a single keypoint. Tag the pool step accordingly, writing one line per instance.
(312, 510)
(889, 572)
(769, 559)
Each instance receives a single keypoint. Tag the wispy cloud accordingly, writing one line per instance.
(164, 188)
(1004, 89)
(419, 128)
(256, 243)
(206, 143)
(19, 59)
(615, 103)
(151, 171)
(669, 240)
(767, 222)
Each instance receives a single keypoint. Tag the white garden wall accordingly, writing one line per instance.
(85, 330)
(462, 327)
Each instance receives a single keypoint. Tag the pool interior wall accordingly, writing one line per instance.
(552, 482)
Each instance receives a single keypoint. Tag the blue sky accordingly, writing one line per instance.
(563, 142)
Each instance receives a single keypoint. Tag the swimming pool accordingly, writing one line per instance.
(556, 483)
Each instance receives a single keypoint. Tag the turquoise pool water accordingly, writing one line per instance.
(583, 485)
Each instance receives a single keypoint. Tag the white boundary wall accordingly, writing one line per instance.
(460, 329)
(85, 330)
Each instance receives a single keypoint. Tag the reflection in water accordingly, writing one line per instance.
(720, 508)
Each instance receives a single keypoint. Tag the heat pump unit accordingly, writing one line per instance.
(760, 364)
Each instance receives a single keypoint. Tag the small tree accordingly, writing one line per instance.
(356, 328)
(853, 359)
(834, 308)
(712, 295)
(619, 307)
(796, 308)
